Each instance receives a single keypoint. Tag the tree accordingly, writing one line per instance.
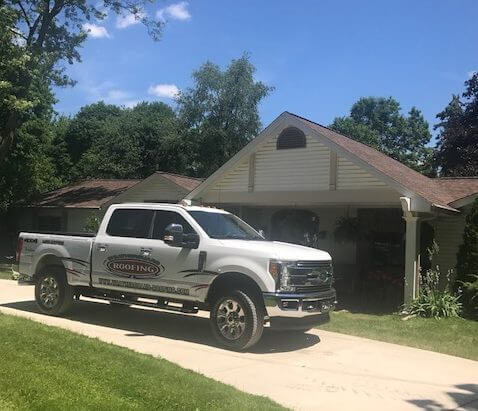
(29, 169)
(36, 38)
(378, 123)
(220, 113)
(457, 146)
(115, 142)
(467, 257)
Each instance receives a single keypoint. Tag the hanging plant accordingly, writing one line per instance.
(346, 230)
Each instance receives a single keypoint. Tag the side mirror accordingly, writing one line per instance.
(173, 235)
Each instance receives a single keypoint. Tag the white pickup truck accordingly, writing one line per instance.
(183, 258)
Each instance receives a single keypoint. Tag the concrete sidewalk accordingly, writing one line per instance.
(317, 370)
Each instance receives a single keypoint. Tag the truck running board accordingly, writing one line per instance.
(163, 304)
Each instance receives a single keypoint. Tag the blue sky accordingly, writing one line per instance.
(320, 56)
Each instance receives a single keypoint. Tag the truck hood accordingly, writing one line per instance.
(278, 250)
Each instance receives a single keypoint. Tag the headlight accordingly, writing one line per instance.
(280, 272)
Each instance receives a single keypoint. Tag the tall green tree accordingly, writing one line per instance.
(379, 123)
(37, 38)
(457, 146)
(115, 142)
(29, 169)
(220, 113)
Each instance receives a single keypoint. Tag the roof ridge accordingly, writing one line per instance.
(178, 175)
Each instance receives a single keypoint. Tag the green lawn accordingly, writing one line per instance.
(53, 369)
(454, 336)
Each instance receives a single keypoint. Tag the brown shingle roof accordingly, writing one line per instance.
(84, 194)
(440, 192)
(458, 187)
(189, 183)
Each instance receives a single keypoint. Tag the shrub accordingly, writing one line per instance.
(92, 223)
(467, 257)
(470, 292)
(434, 301)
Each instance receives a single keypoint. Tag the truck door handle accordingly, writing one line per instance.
(146, 251)
(102, 248)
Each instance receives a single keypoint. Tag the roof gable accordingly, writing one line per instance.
(374, 168)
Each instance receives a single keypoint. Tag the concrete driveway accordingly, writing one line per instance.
(318, 370)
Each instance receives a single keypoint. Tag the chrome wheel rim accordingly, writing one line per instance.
(230, 319)
(49, 291)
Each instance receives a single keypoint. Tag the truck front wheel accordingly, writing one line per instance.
(237, 320)
(53, 294)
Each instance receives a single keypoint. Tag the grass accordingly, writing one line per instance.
(454, 336)
(49, 368)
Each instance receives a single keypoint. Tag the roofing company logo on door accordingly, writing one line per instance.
(133, 266)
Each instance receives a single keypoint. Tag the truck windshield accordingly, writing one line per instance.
(225, 226)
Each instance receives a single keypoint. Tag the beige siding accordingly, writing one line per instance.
(449, 236)
(353, 177)
(153, 189)
(292, 170)
(236, 180)
(281, 170)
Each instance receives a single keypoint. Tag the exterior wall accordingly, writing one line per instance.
(298, 169)
(153, 189)
(312, 170)
(351, 176)
(449, 236)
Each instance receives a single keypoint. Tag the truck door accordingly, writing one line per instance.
(132, 256)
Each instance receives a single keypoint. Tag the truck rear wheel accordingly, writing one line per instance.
(53, 294)
(237, 320)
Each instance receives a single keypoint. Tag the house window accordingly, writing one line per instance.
(291, 137)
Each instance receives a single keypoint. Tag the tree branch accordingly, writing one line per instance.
(27, 20)
(17, 33)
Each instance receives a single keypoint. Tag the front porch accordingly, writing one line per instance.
(368, 246)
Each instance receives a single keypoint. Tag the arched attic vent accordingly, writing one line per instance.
(291, 137)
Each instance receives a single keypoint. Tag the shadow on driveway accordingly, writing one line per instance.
(139, 322)
(468, 399)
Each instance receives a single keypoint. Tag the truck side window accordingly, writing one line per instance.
(164, 218)
(130, 223)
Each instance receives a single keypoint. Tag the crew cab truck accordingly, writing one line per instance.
(183, 258)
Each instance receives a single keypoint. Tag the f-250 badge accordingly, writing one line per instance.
(133, 266)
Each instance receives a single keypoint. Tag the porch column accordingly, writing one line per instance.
(412, 257)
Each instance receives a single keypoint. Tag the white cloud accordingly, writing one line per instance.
(164, 90)
(471, 73)
(96, 31)
(130, 19)
(177, 11)
(110, 94)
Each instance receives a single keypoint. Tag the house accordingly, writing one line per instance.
(302, 182)
(68, 208)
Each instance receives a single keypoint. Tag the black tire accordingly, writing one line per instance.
(53, 278)
(252, 325)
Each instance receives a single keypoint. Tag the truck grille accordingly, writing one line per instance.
(311, 276)
(313, 289)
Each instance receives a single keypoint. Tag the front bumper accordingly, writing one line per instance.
(299, 311)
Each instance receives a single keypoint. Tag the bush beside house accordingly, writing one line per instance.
(467, 261)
